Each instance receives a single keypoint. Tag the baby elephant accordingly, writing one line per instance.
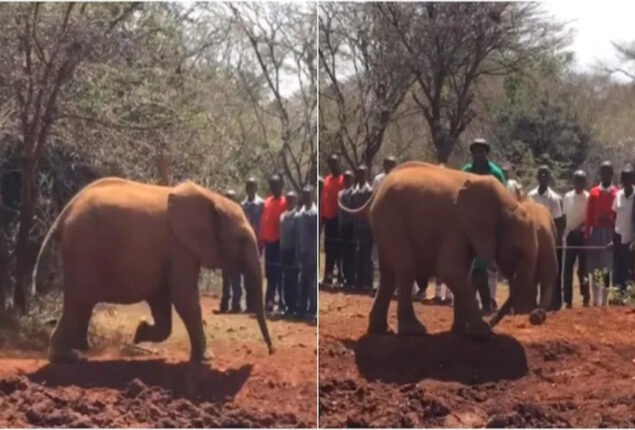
(125, 242)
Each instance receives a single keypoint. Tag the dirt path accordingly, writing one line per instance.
(576, 370)
(154, 386)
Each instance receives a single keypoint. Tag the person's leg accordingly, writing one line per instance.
(618, 263)
(276, 276)
(269, 269)
(348, 254)
(312, 290)
(303, 294)
(583, 276)
(368, 260)
(291, 296)
(285, 259)
(236, 292)
(480, 283)
(569, 261)
(224, 300)
(330, 245)
(556, 301)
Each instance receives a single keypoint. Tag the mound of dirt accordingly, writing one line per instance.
(28, 404)
(576, 370)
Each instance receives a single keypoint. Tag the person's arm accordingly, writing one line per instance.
(590, 213)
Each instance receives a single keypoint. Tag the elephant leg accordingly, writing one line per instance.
(454, 268)
(378, 320)
(83, 315)
(70, 332)
(161, 308)
(189, 309)
(407, 322)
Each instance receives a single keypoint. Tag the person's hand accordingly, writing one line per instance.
(609, 245)
(631, 247)
(605, 219)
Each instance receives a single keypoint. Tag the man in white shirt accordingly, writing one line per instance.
(623, 208)
(545, 196)
(389, 163)
(574, 206)
(513, 185)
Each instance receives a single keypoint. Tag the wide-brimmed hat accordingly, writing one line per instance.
(479, 142)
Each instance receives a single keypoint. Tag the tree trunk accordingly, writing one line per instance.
(444, 144)
(24, 265)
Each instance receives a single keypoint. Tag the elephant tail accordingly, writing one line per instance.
(40, 270)
(361, 212)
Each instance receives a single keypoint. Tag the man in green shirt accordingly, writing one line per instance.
(481, 165)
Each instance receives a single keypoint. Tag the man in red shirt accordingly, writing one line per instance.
(599, 230)
(274, 206)
(333, 184)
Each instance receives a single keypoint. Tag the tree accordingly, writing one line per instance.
(627, 56)
(282, 44)
(363, 81)
(451, 46)
(53, 41)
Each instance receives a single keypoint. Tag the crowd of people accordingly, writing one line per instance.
(348, 241)
(286, 228)
(594, 230)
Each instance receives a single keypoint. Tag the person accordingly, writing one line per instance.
(274, 206)
(347, 233)
(232, 288)
(390, 162)
(480, 165)
(307, 225)
(513, 185)
(623, 208)
(574, 207)
(253, 205)
(333, 184)
(544, 195)
(363, 235)
(288, 251)
(599, 229)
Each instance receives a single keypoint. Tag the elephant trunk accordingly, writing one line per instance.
(255, 299)
(522, 294)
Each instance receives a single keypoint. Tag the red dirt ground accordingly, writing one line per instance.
(122, 386)
(576, 370)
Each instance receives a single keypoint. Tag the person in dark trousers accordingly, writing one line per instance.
(274, 206)
(307, 226)
(347, 231)
(544, 195)
(253, 206)
(232, 288)
(481, 165)
(288, 233)
(599, 231)
(574, 207)
(623, 208)
(333, 184)
(363, 235)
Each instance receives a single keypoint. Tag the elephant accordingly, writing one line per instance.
(124, 242)
(432, 221)
(546, 271)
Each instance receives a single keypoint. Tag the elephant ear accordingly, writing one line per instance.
(479, 207)
(194, 220)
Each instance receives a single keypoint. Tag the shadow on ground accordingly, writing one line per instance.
(193, 381)
(442, 356)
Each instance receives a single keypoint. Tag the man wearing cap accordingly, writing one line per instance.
(623, 208)
(329, 208)
(481, 165)
(544, 195)
(232, 289)
(574, 206)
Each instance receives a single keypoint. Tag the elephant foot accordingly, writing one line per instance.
(459, 327)
(378, 327)
(411, 327)
(479, 330)
(67, 356)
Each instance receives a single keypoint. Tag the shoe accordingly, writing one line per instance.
(568, 306)
(446, 302)
(234, 311)
(437, 300)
